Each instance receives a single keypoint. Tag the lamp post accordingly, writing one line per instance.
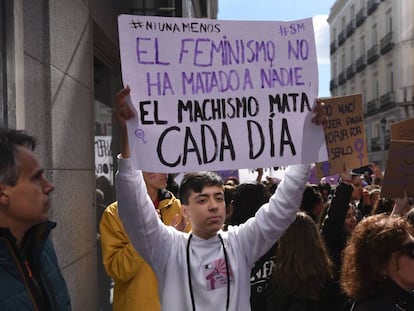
(383, 124)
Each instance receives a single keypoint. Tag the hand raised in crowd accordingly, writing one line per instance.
(123, 112)
(179, 222)
(345, 175)
(320, 113)
(401, 206)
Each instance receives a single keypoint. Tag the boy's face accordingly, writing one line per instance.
(206, 211)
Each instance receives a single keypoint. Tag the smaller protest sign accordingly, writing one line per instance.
(103, 158)
(399, 171)
(403, 130)
(344, 135)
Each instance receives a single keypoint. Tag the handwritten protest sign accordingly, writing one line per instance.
(212, 94)
(103, 157)
(399, 171)
(403, 130)
(345, 135)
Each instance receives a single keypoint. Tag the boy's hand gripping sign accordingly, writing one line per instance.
(212, 94)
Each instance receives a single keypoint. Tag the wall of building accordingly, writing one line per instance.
(57, 98)
(386, 81)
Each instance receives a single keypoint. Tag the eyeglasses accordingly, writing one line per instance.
(408, 249)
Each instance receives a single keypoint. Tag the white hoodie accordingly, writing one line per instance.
(164, 247)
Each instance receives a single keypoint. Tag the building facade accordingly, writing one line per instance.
(372, 52)
(59, 73)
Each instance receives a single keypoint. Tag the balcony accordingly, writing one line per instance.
(361, 63)
(372, 108)
(387, 101)
(333, 84)
(360, 17)
(333, 47)
(375, 144)
(372, 6)
(372, 54)
(341, 38)
(342, 78)
(350, 28)
(350, 71)
(386, 43)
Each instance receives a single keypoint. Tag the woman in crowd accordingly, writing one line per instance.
(337, 226)
(302, 276)
(378, 265)
(383, 205)
(247, 199)
(312, 203)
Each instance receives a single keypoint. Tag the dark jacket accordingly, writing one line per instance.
(260, 279)
(391, 298)
(335, 239)
(30, 278)
(281, 300)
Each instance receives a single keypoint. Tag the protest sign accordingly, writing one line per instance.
(103, 158)
(399, 171)
(345, 135)
(403, 130)
(213, 94)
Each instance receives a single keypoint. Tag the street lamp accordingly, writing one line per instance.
(383, 124)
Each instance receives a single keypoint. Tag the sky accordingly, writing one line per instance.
(278, 10)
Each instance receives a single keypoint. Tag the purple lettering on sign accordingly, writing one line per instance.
(147, 53)
(301, 51)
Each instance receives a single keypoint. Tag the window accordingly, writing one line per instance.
(7, 80)
(388, 21)
(374, 34)
(391, 81)
(362, 45)
(351, 55)
(3, 76)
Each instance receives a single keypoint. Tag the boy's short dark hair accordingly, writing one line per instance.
(196, 182)
(9, 140)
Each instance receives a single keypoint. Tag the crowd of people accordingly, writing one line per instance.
(209, 244)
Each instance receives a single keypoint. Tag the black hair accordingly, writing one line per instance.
(10, 139)
(248, 198)
(196, 182)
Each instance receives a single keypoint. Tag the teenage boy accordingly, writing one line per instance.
(207, 269)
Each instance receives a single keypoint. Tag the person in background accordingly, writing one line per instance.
(231, 181)
(303, 273)
(229, 191)
(248, 198)
(312, 203)
(172, 185)
(378, 265)
(325, 189)
(383, 205)
(337, 226)
(30, 277)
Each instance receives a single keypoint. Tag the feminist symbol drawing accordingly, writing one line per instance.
(140, 134)
(359, 147)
